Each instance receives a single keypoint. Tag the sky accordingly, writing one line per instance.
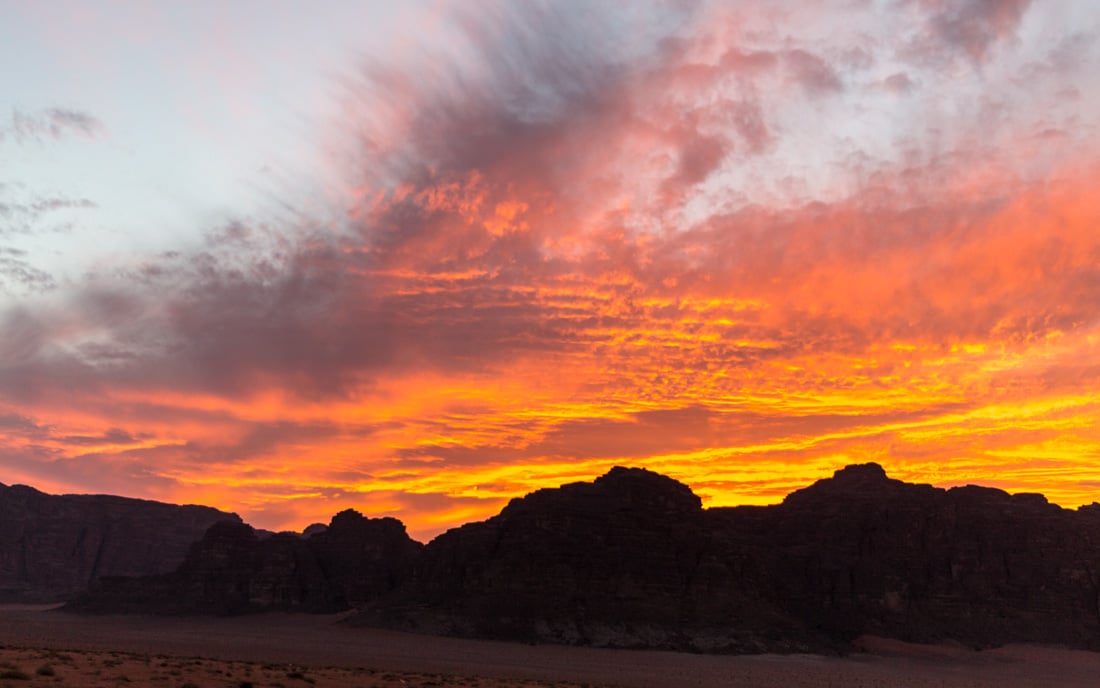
(286, 259)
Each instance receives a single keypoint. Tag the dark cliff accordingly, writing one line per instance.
(54, 546)
(235, 569)
(623, 561)
(632, 560)
(861, 553)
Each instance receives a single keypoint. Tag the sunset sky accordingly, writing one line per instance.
(287, 258)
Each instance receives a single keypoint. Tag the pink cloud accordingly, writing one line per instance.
(545, 265)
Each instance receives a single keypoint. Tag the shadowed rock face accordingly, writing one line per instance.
(627, 561)
(561, 564)
(632, 560)
(54, 546)
(868, 554)
(234, 570)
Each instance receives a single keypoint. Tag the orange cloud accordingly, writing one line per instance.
(539, 279)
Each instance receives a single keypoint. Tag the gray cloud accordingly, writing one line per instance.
(24, 212)
(51, 124)
(814, 74)
(19, 276)
(973, 26)
(970, 28)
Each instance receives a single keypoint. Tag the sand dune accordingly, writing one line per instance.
(298, 650)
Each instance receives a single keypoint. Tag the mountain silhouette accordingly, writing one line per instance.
(55, 546)
(633, 560)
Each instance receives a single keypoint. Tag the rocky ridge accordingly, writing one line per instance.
(633, 560)
(236, 569)
(55, 546)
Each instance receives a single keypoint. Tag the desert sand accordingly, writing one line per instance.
(46, 647)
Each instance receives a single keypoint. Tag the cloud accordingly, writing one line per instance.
(898, 82)
(971, 28)
(975, 25)
(19, 276)
(13, 422)
(23, 212)
(580, 242)
(52, 124)
(813, 73)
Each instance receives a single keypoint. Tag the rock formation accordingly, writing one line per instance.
(234, 570)
(630, 560)
(861, 553)
(633, 560)
(53, 546)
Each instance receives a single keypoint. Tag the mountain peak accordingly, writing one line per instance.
(856, 479)
(642, 485)
(861, 472)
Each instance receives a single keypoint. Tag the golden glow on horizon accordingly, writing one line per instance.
(467, 443)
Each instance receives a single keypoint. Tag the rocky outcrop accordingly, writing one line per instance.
(632, 560)
(54, 546)
(363, 558)
(235, 569)
(629, 560)
(861, 553)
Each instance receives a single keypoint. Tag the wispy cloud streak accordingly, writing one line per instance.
(50, 125)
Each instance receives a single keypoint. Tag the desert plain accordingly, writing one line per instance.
(42, 646)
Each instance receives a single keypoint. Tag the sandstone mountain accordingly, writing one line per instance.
(633, 560)
(54, 546)
(236, 569)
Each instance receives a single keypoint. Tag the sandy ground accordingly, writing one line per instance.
(43, 647)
